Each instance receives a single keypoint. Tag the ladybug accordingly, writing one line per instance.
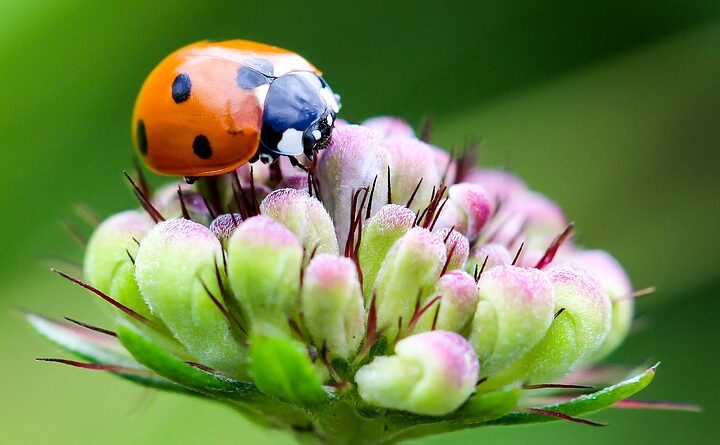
(211, 107)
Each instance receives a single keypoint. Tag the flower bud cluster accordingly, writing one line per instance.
(405, 279)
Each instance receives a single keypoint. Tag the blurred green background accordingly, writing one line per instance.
(612, 109)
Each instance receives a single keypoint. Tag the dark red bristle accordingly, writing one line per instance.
(107, 298)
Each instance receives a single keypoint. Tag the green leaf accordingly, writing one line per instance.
(584, 404)
(281, 368)
(479, 409)
(180, 372)
(96, 348)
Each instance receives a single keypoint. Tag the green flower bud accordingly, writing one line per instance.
(432, 373)
(579, 328)
(514, 311)
(408, 272)
(305, 216)
(332, 305)
(616, 284)
(264, 263)
(174, 263)
(459, 297)
(381, 231)
(108, 263)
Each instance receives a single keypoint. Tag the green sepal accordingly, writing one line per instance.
(479, 409)
(97, 348)
(586, 403)
(180, 372)
(281, 368)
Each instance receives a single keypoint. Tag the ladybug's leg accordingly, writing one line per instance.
(298, 164)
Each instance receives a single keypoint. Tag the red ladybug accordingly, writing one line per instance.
(211, 107)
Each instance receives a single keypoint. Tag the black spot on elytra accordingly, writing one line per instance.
(248, 78)
(181, 88)
(262, 65)
(201, 147)
(141, 137)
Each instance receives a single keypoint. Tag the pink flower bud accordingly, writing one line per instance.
(412, 160)
(390, 127)
(457, 247)
(354, 159)
(468, 209)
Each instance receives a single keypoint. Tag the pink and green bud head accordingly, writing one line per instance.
(354, 159)
(501, 185)
(379, 234)
(616, 284)
(579, 328)
(530, 218)
(167, 202)
(264, 260)
(408, 272)
(495, 254)
(457, 248)
(332, 305)
(390, 127)
(458, 294)
(175, 269)
(514, 311)
(224, 226)
(108, 263)
(294, 181)
(432, 373)
(446, 165)
(412, 160)
(305, 216)
(468, 209)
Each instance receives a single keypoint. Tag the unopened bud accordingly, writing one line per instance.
(305, 216)
(108, 263)
(408, 273)
(176, 268)
(332, 305)
(381, 231)
(354, 159)
(431, 373)
(514, 312)
(264, 263)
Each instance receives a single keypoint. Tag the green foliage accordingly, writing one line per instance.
(281, 368)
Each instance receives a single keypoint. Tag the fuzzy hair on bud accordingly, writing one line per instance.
(514, 311)
(431, 373)
(175, 270)
(305, 216)
(332, 305)
(388, 225)
(109, 255)
(355, 159)
(264, 260)
(408, 273)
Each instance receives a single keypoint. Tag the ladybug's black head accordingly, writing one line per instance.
(299, 115)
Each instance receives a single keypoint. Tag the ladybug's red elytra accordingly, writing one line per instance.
(211, 107)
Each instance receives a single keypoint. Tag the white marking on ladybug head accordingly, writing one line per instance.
(329, 119)
(291, 142)
(316, 134)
